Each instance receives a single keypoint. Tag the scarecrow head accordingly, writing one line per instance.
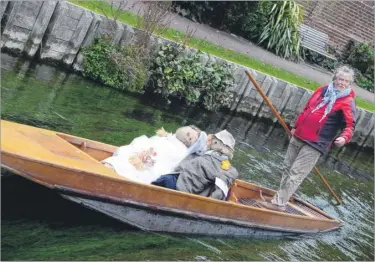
(223, 142)
(188, 135)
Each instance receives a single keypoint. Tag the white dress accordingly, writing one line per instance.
(169, 153)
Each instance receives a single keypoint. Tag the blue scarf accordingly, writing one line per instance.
(329, 99)
(200, 146)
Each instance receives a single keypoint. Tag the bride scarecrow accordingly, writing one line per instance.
(147, 158)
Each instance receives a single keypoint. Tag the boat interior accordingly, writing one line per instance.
(241, 192)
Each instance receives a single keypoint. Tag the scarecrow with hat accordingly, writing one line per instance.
(210, 174)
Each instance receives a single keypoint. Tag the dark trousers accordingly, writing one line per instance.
(168, 181)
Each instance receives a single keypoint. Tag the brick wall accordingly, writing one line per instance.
(341, 20)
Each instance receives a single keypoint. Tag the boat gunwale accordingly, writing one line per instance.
(173, 192)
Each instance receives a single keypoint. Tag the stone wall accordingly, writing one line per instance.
(341, 20)
(56, 31)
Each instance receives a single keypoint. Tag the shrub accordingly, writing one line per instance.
(365, 82)
(281, 35)
(244, 18)
(361, 57)
(273, 24)
(318, 59)
(179, 74)
(208, 12)
(119, 66)
(254, 21)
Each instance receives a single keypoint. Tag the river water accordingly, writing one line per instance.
(37, 224)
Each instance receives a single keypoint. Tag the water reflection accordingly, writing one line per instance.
(43, 96)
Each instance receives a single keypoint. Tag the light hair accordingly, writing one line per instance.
(219, 146)
(161, 132)
(344, 70)
(196, 128)
(184, 135)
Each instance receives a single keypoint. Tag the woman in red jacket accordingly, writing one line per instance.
(331, 109)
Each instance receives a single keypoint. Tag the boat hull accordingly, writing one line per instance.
(165, 220)
(72, 166)
(171, 222)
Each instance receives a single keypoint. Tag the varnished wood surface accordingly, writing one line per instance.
(55, 159)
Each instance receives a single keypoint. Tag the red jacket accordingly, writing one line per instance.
(320, 135)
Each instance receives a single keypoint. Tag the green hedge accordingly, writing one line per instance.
(184, 74)
(119, 66)
(172, 73)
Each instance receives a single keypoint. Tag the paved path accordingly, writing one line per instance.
(241, 45)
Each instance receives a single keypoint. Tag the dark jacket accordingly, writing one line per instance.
(320, 135)
(197, 175)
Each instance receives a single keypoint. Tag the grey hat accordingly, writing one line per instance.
(226, 138)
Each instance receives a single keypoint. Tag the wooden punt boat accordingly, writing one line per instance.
(71, 165)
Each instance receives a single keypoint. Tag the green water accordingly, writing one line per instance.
(37, 224)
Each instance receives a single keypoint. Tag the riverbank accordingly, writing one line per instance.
(59, 31)
(237, 50)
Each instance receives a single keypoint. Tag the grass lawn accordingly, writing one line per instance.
(208, 47)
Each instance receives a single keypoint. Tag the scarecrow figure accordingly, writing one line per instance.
(210, 174)
(145, 159)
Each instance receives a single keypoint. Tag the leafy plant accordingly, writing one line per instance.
(244, 18)
(280, 34)
(365, 82)
(254, 21)
(114, 65)
(317, 59)
(131, 67)
(361, 57)
(201, 11)
(180, 74)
